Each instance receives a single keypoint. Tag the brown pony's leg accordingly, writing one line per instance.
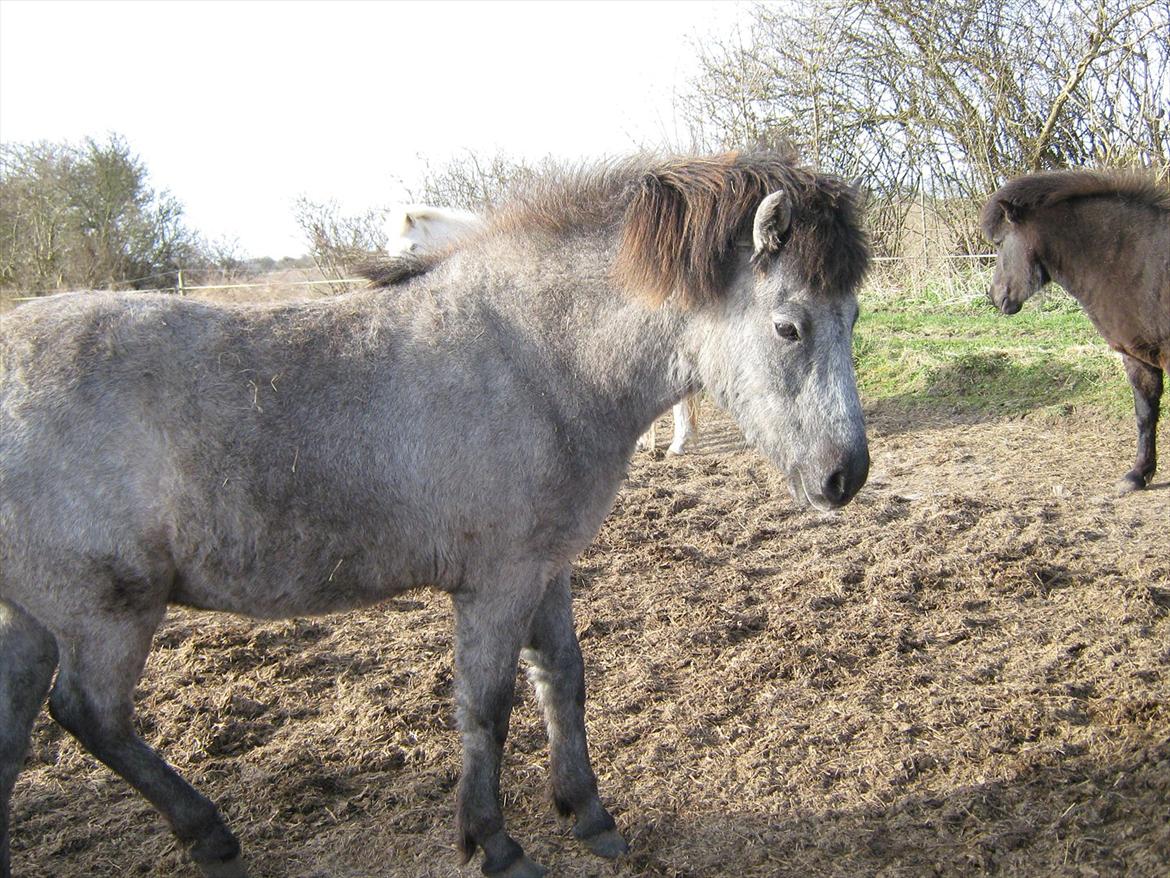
(558, 674)
(1146, 381)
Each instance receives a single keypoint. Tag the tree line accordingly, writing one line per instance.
(943, 98)
(922, 101)
(928, 104)
(85, 216)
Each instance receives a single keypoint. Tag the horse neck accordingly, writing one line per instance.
(606, 356)
(1081, 249)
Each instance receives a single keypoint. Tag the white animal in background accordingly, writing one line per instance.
(686, 427)
(422, 228)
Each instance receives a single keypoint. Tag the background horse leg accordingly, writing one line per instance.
(28, 655)
(489, 628)
(93, 700)
(1146, 381)
(648, 441)
(558, 674)
(686, 424)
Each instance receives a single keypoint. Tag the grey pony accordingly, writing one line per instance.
(466, 431)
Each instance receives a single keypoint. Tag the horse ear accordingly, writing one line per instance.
(1012, 212)
(773, 217)
(857, 184)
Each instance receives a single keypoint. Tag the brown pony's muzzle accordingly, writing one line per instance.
(998, 294)
(1005, 304)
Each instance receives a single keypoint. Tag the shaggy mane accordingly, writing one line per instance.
(1053, 187)
(386, 271)
(680, 220)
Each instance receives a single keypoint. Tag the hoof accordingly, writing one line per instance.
(608, 844)
(521, 867)
(1129, 484)
(233, 868)
(675, 452)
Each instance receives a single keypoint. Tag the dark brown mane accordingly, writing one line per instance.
(680, 220)
(1024, 194)
(386, 271)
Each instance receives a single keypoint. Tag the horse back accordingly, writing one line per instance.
(268, 461)
(1121, 275)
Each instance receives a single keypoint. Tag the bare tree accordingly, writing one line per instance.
(472, 183)
(86, 216)
(338, 242)
(944, 97)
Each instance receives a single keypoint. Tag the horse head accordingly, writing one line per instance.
(1019, 271)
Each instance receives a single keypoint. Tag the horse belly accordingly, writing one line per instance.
(264, 583)
(280, 568)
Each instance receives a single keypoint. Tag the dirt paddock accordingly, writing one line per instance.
(966, 671)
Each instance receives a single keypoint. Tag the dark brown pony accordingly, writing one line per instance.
(1105, 237)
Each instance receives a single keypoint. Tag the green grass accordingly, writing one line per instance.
(944, 347)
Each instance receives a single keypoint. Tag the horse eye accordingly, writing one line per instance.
(786, 330)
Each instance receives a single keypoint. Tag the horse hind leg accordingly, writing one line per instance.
(648, 441)
(100, 663)
(686, 424)
(1146, 382)
(28, 656)
(558, 675)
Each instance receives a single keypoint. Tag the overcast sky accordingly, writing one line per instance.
(238, 108)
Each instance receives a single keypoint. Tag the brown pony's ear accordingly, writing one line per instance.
(861, 193)
(773, 217)
(1012, 212)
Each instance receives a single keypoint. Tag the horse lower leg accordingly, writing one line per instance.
(685, 424)
(648, 441)
(487, 651)
(93, 700)
(28, 655)
(1146, 382)
(558, 674)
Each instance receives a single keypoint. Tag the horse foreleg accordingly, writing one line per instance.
(93, 700)
(558, 674)
(1146, 382)
(28, 655)
(489, 627)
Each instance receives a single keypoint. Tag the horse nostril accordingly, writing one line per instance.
(835, 488)
(841, 486)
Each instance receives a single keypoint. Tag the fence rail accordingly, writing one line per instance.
(183, 288)
(186, 288)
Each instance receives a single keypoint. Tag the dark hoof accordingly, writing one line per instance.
(608, 844)
(521, 867)
(233, 868)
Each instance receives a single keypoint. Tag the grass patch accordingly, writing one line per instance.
(943, 346)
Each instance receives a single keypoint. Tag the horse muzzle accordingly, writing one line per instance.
(837, 488)
(1003, 302)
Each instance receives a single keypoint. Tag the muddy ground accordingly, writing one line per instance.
(967, 671)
